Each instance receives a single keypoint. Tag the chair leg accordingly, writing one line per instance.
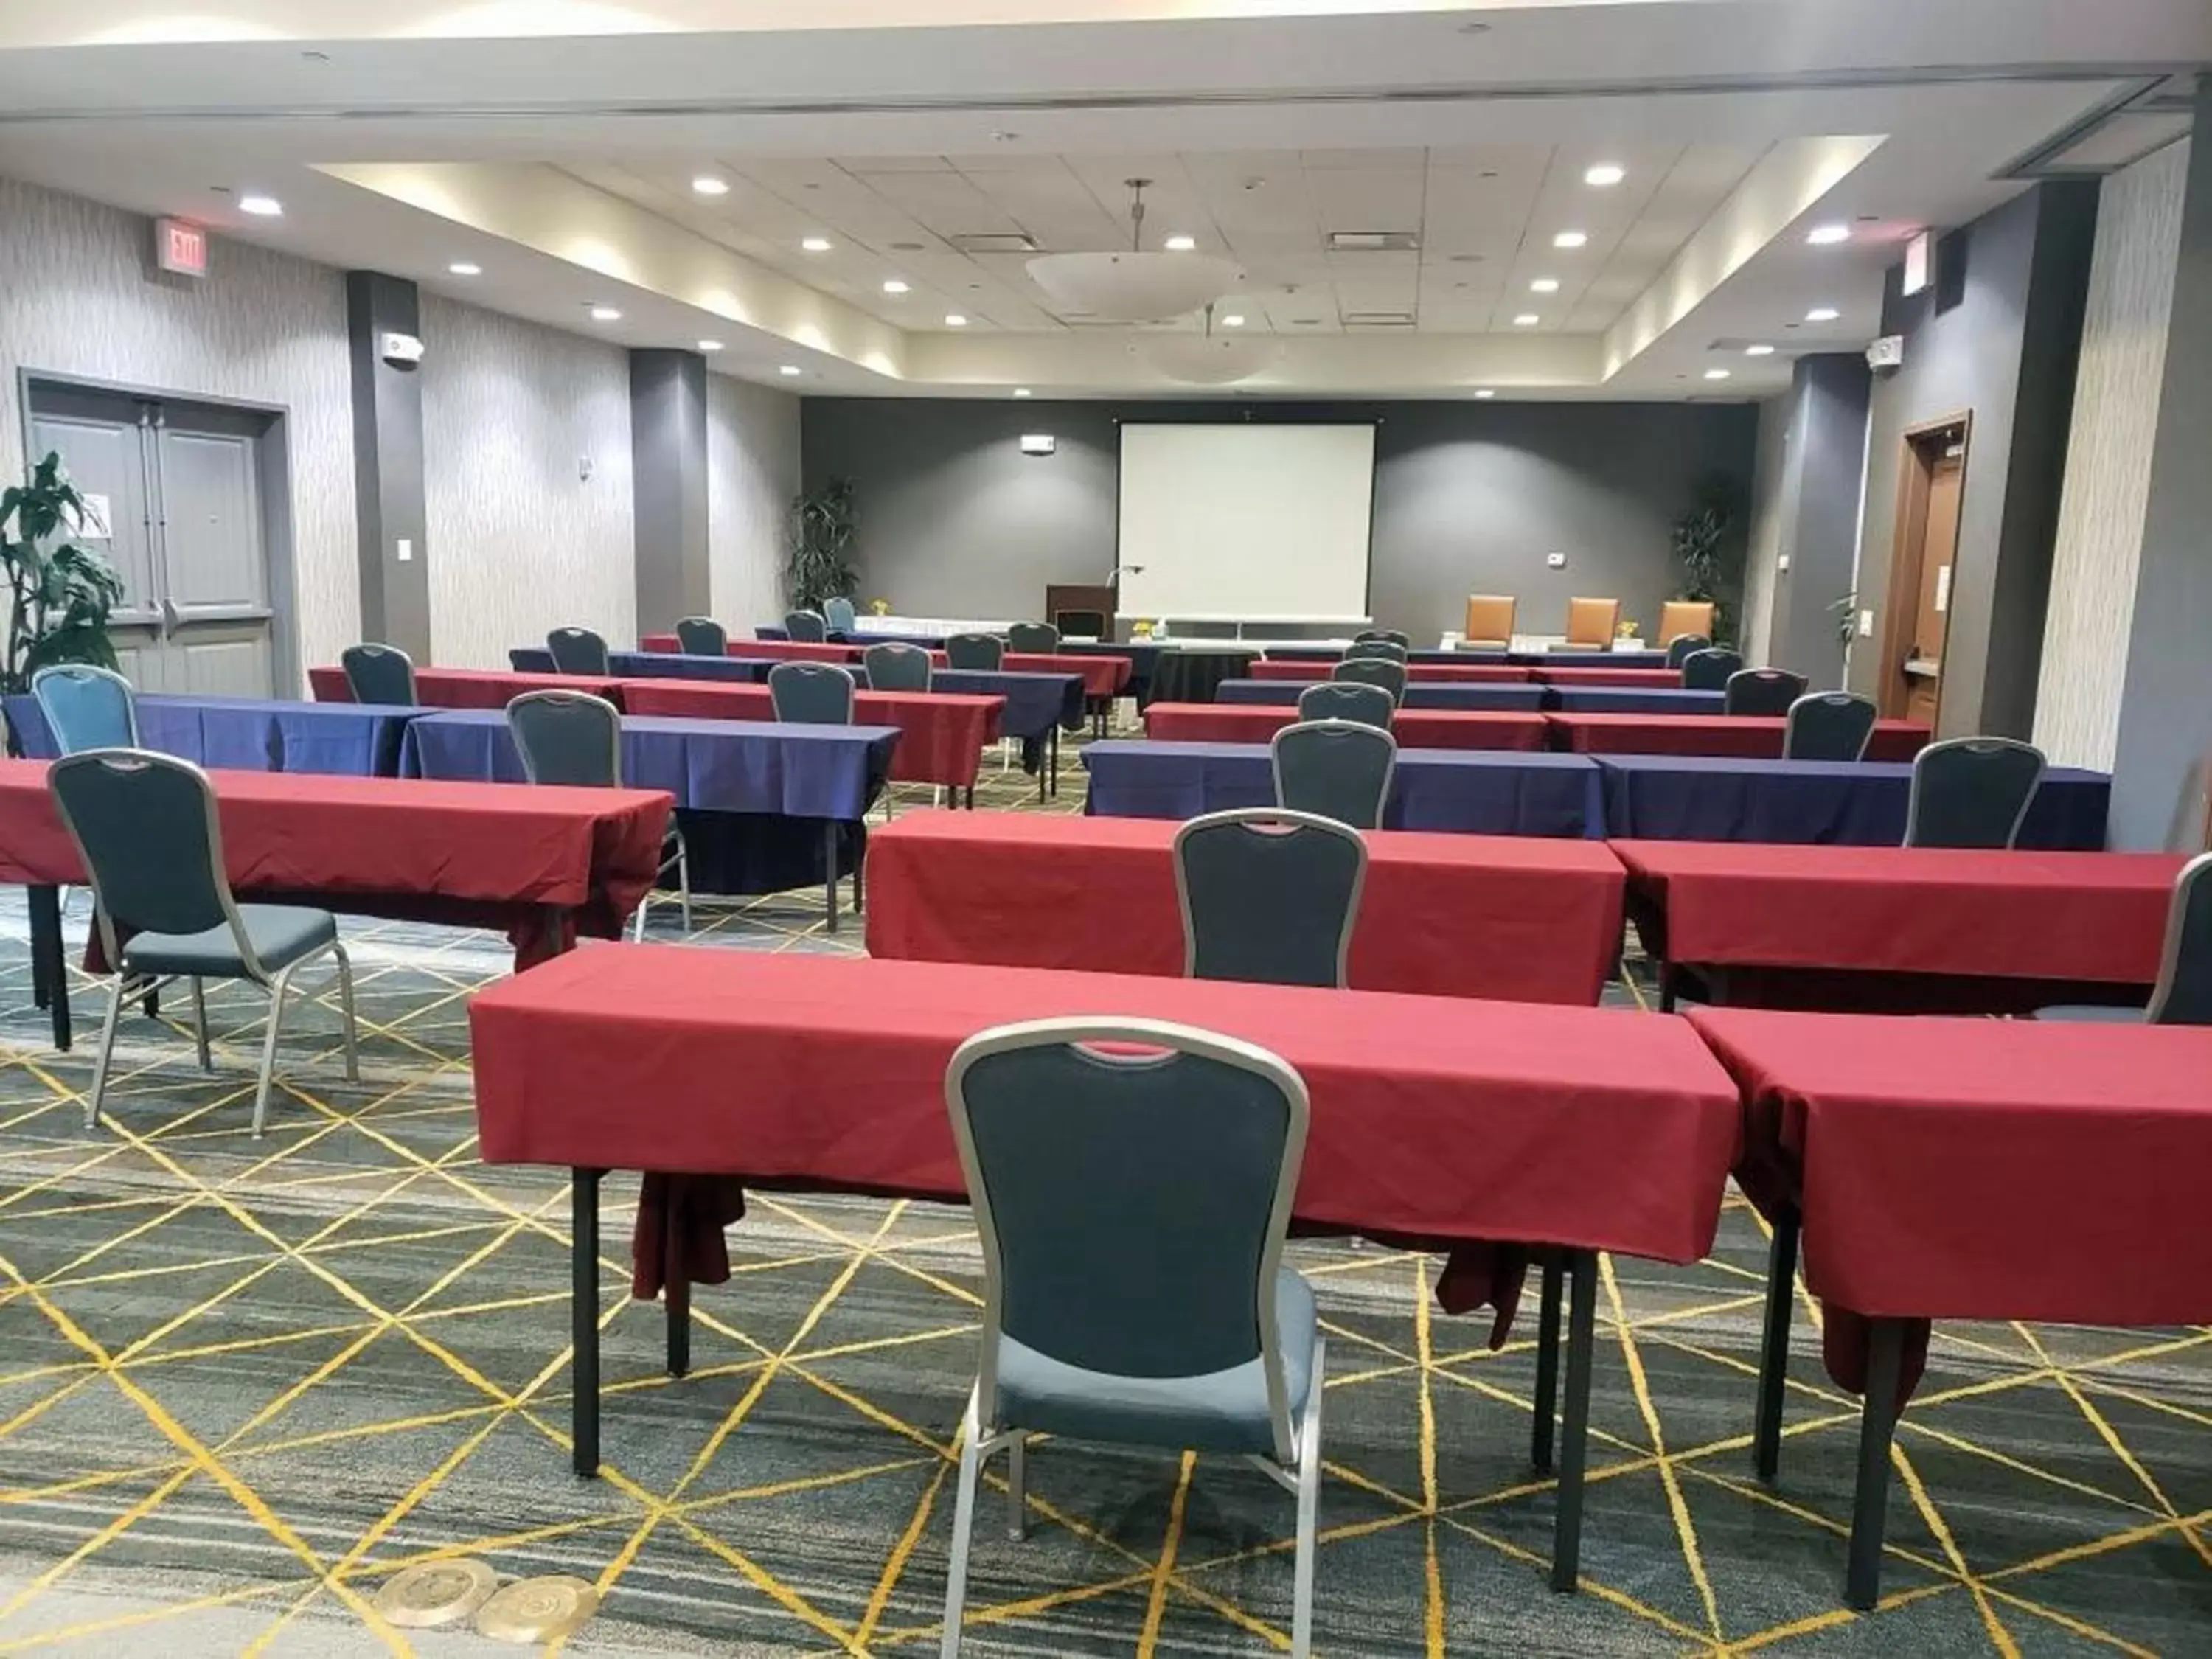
(637, 921)
(276, 988)
(117, 997)
(199, 1021)
(684, 880)
(345, 1004)
(1301, 1591)
(964, 1518)
(1018, 1450)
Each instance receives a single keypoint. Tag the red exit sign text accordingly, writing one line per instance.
(180, 247)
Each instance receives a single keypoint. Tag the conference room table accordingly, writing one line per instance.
(252, 734)
(1465, 792)
(1191, 673)
(1514, 917)
(1898, 929)
(1333, 654)
(1592, 662)
(1495, 1131)
(1418, 674)
(1618, 679)
(764, 806)
(470, 688)
(1962, 1168)
(1414, 728)
(1525, 699)
(1749, 737)
(1632, 700)
(1103, 677)
(942, 736)
(540, 864)
(1841, 803)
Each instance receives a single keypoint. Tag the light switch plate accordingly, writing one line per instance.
(1782, 563)
(1557, 561)
(1866, 624)
(404, 552)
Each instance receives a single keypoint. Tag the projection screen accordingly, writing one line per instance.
(1246, 523)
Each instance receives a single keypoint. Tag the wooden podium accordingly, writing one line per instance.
(1067, 596)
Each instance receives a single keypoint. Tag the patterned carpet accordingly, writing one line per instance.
(242, 1384)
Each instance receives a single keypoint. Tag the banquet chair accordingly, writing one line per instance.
(574, 739)
(983, 652)
(1132, 1208)
(85, 706)
(1339, 770)
(1709, 670)
(1037, 639)
(2182, 993)
(1374, 671)
(577, 651)
(1489, 623)
(1971, 792)
(1378, 650)
(1395, 636)
(812, 693)
(1767, 691)
(702, 636)
(1347, 700)
(148, 831)
(806, 627)
(895, 667)
(1829, 725)
(379, 674)
(1591, 625)
(838, 616)
(1269, 897)
(1683, 646)
(1681, 616)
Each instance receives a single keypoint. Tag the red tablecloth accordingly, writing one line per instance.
(1102, 677)
(470, 688)
(1635, 679)
(1518, 918)
(484, 855)
(1749, 736)
(1979, 1169)
(941, 737)
(1467, 674)
(1414, 728)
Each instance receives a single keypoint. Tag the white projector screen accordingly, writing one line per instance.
(1246, 523)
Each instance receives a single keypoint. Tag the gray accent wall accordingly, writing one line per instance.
(753, 474)
(390, 517)
(668, 482)
(1805, 516)
(1469, 497)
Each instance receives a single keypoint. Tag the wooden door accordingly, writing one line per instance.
(1939, 545)
(1923, 554)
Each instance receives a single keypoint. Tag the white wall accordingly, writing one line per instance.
(78, 298)
(752, 473)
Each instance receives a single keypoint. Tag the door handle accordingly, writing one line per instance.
(172, 618)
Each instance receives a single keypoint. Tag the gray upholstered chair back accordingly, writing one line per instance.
(976, 652)
(1374, 671)
(567, 737)
(896, 667)
(577, 651)
(1762, 691)
(145, 825)
(1131, 1205)
(838, 615)
(1709, 670)
(811, 693)
(85, 706)
(1037, 639)
(1971, 792)
(1682, 647)
(807, 627)
(1339, 770)
(1395, 636)
(2183, 995)
(1347, 700)
(1269, 897)
(1381, 650)
(379, 673)
(1829, 725)
(702, 636)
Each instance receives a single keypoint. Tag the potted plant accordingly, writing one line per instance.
(1705, 547)
(820, 567)
(59, 594)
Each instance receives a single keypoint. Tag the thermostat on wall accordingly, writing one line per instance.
(1556, 560)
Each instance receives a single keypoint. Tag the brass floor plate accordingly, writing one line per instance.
(437, 1593)
(538, 1609)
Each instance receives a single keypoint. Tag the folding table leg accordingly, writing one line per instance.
(829, 869)
(1774, 1350)
(675, 1293)
(1547, 1366)
(1665, 987)
(1877, 1426)
(46, 948)
(584, 1317)
(1574, 1439)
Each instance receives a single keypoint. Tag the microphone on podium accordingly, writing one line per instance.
(1115, 574)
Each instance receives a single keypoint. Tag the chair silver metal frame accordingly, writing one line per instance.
(894, 651)
(127, 986)
(839, 615)
(803, 677)
(370, 657)
(1811, 701)
(680, 860)
(1034, 639)
(1314, 700)
(1378, 650)
(1296, 1463)
(1389, 770)
(1752, 687)
(84, 674)
(1387, 672)
(1682, 646)
(806, 627)
(1395, 636)
(1700, 668)
(2176, 937)
(702, 636)
(1263, 820)
(578, 651)
(1980, 747)
(988, 649)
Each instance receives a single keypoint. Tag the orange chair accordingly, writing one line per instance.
(1681, 616)
(1591, 623)
(1489, 623)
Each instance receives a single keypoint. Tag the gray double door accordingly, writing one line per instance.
(188, 524)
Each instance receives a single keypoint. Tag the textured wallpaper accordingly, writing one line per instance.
(521, 542)
(78, 297)
(752, 473)
(2101, 516)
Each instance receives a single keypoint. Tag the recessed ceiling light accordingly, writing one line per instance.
(1605, 175)
(790, 371)
(1822, 314)
(1716, 374)
(814, 244)
(605, 315)
(465, 268)
(1828, 235)
(1571, 238)
(894, 286)
(1484, 392)
(1179, 243)
(261, 207)
(1544, 285)
(1527, 320)
(708, 185)
(1760, 351)
(954, 319)
(1234, 319)
(1021, 391)
(710, 345)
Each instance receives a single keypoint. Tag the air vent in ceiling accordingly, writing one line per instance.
(992, 241)
(1378, 319)
(1372, 241)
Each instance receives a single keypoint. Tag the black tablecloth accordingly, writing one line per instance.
(1190, 675)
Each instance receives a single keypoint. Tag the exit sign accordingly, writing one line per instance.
(180, 247)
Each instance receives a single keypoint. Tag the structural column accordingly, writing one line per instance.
(387, 451)
(668, 470)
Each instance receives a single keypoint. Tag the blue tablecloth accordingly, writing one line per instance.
(1475, 791)
(1509, 699)
(250, 734)
(1333, 652)
(1034, 702)
(1590, 659)
(1632, 700)
(652, 666)
(1835, 802)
